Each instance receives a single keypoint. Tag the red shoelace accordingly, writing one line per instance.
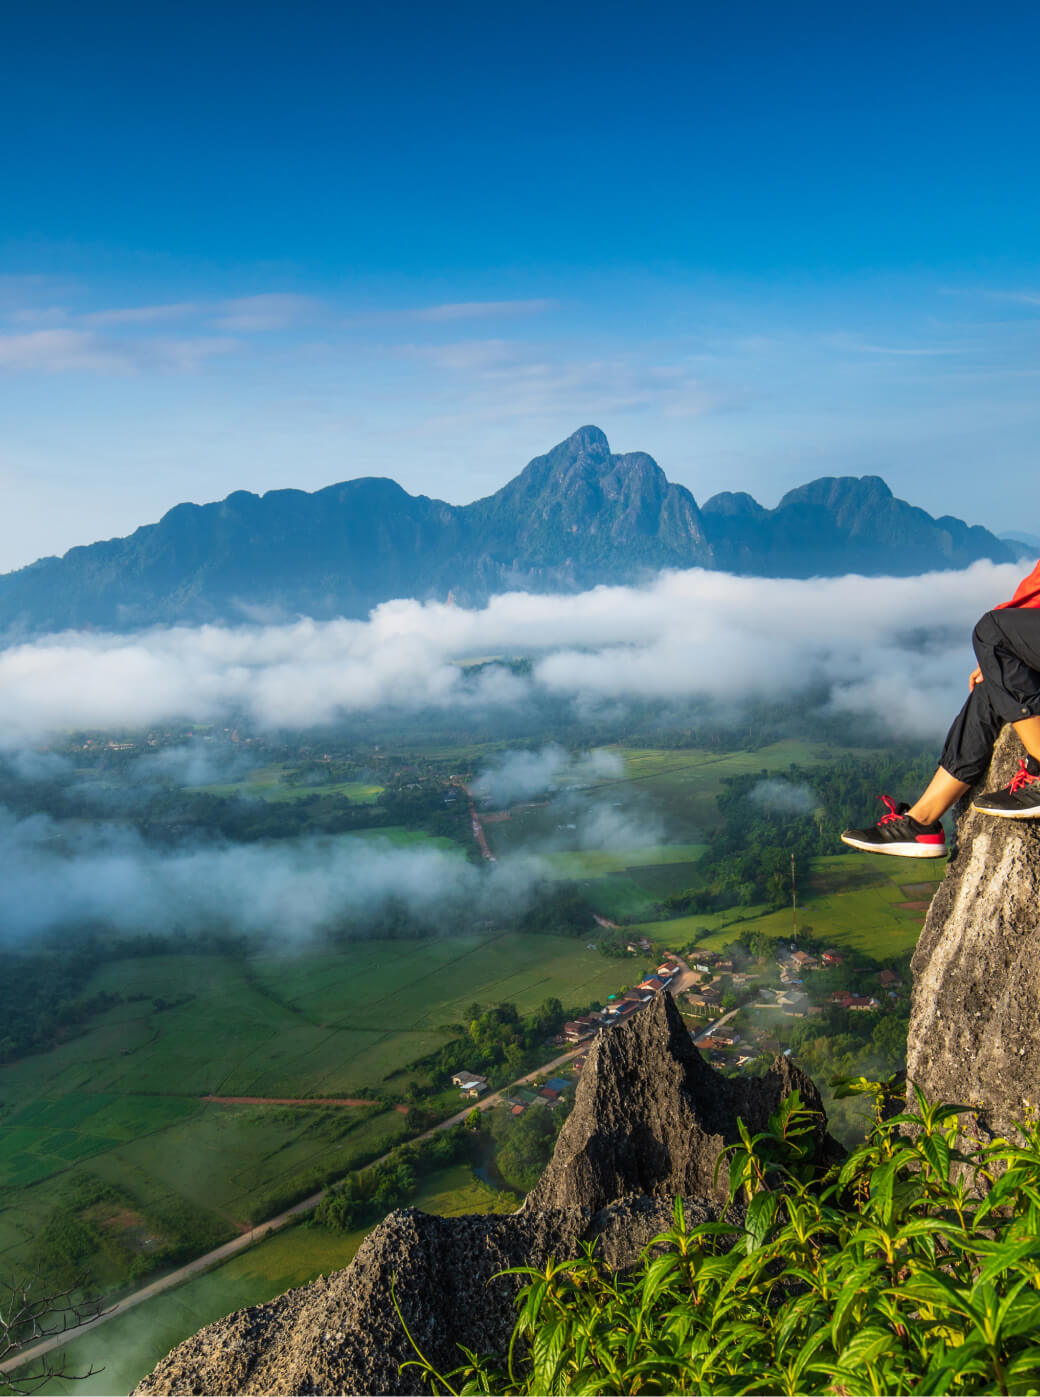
(893, 811)
(1021, 777)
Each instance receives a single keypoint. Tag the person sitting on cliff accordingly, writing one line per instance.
(1004, 688)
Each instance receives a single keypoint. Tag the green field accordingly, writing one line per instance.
(684, 783)
(848, 901)
(130, 1345)
(272, 783)
(627, 883)
(122, 1104)
(121, 1107)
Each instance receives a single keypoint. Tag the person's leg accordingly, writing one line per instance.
(1029, 735)
(1007, 644)
(965, 756)
(942, 792)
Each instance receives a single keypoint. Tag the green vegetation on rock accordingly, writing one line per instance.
(912, 1267)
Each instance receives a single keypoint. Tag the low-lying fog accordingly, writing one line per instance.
(897, 650)
(73, 872)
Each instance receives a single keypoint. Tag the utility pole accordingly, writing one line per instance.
(794, 903)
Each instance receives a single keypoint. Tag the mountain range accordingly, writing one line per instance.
(578, 516)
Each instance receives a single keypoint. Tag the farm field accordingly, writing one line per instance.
(121, 1105)
(669, 792)
(876, 905)
(685, 782)
(272, 783)
(130, 1345)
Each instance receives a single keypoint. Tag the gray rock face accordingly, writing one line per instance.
(975, 1015)
(653, 1122)
(342, 1334)
(649, 1120)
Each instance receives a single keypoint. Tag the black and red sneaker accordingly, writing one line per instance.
(897, 833)
(1019, 800)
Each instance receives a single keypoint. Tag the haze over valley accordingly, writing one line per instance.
(489, 497)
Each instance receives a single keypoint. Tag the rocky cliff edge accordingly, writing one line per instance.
(650, 1119)
(975, 1014)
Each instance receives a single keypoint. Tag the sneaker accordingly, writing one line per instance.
(1020, 799)
(897, 833)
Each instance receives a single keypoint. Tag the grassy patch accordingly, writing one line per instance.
(272, 783)
(846, 900)
(123, 1103)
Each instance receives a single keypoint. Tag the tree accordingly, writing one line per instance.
(473, 1119)
(28, 1319)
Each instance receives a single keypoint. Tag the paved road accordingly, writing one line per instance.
(715, 1024)
(247, 1239)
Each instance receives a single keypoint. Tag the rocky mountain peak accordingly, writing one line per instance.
(651, 1117)
(649, 1120)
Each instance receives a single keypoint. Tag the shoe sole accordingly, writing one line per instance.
(903, 851)
(1009, 814)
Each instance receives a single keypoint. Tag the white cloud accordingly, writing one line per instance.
(288, 890)
(896, 648)
(61, 351)
(450, 312)
(142, 315)
(85, 351)
(784, 797)
(273, 311)
(479, 310)
(497, 378)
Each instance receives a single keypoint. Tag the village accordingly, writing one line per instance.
(736, 1012)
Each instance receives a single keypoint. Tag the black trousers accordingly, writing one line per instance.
(1007, 646)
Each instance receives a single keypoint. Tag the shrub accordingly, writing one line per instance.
(912, 1267)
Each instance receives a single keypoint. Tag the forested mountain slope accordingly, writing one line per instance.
(573, 518)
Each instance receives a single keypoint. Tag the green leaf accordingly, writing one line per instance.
(864, 1347)
(849, 1294)
(761, 1215)
(1005, 1257)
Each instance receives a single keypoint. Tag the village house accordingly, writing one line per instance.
(667, 970)
(626, 1007)
(704, 1004)
(575, 1030)
(805, 960)
(889, 978)
(469, 1083)
(859, 1002)
(831, 958)
(792, 999)
(863, 1002)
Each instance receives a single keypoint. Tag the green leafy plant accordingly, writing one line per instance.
(911, 1267)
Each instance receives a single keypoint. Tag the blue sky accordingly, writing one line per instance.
(251, 246)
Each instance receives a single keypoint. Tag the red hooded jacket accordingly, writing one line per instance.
(1028, 593)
